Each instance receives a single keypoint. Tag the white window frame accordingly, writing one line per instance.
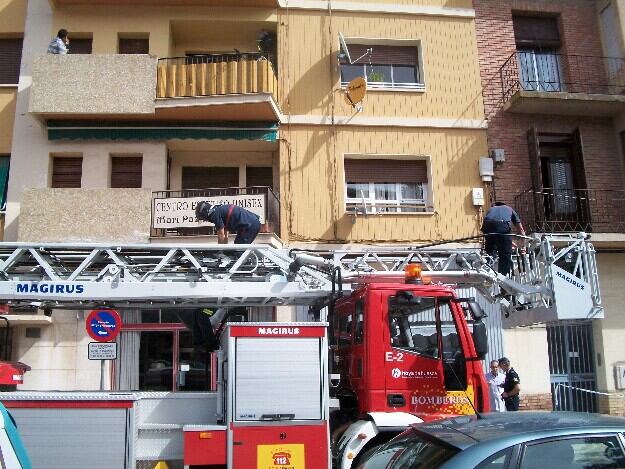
(389, 86)
(371, 205)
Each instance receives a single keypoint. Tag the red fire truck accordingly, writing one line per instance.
(386, 352)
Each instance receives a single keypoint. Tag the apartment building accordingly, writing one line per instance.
(163, 103)
(552, 73)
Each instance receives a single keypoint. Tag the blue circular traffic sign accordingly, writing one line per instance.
(103, 325)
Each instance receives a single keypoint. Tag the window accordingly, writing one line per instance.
(194, 177)
(360, 322)
(66, 171)
(498, 460)
(11, 53)
(259, 176)
(80, 45)
(413, 325)
(597, 452)
(134, 45)
(344, 330)
(538, 40)
(385, 186)
(5, 161)
(383, 66)
(126, 171)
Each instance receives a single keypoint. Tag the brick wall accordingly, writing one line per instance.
(580, 35)
(536, 402)
(614, 404)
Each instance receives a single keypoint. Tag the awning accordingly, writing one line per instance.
(64, 130)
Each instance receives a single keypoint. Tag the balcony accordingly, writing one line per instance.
(241, 86)
(597, 211)
(535, 82)
(173, 212)
(230, 87)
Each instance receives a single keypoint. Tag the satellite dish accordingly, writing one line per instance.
(344, 49)
(355, 92)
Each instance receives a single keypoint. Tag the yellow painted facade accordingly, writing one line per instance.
(314, 189)
(7, 115)
(442, 124)
(309, 70)
(12, 17)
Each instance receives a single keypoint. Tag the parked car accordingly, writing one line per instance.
(12, 452)
(519, 440)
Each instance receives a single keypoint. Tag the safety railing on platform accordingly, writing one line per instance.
(571, 210)
(211, 75)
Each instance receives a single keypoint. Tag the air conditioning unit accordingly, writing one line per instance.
(619, 374)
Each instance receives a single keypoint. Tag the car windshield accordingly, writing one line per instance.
(409, 451)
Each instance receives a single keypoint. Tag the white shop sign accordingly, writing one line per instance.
(179, 212)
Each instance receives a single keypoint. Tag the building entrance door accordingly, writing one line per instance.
(571, 365)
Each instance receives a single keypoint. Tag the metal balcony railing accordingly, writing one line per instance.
(589, 210)
(540, 71)
(270, 202)
(211, 75)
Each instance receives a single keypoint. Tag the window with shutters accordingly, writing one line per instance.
(126, 171)
(66, 171)
(259, 176)
(10, 60)
(83, 45)
(391, 65)
(386, 186)
(134, 45)
(5, 161)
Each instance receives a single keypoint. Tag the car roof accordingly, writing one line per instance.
(514, 427)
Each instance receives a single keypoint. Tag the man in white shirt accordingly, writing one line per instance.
(60, 44)
(495, 379)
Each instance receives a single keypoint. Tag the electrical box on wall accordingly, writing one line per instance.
(477, 193)
(619, 372)
(487, 170)
(498, 154)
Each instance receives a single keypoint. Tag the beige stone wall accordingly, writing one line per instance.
(58, 359)
(609, 332)
(93, 84)
(85, 215)
(614, 404)
(536, 402)
(527, 350)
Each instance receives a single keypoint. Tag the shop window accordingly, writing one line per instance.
(384, 66)
(11, 53)
(386, 186)
(134, 45)
(126, 171)
(66, 172)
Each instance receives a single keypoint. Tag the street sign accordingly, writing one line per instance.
(103, 325)
(102, 350)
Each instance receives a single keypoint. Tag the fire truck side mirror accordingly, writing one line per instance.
(480, 339)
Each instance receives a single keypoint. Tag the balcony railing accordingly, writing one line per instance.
(589, 210)
(550, 72)
(213, 75)
(265, 202)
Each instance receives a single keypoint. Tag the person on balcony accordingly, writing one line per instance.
(497, 228)
(229, 219)
(60, 44)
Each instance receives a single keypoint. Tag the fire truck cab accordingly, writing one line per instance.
(405, 353)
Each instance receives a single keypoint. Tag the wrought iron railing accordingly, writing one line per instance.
(590, 210)
(270, 199)
(209, 75)
(550, 72)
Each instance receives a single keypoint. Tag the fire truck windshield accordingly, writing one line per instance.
(417, 324)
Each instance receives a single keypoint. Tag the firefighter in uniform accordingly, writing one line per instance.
(511, 386)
